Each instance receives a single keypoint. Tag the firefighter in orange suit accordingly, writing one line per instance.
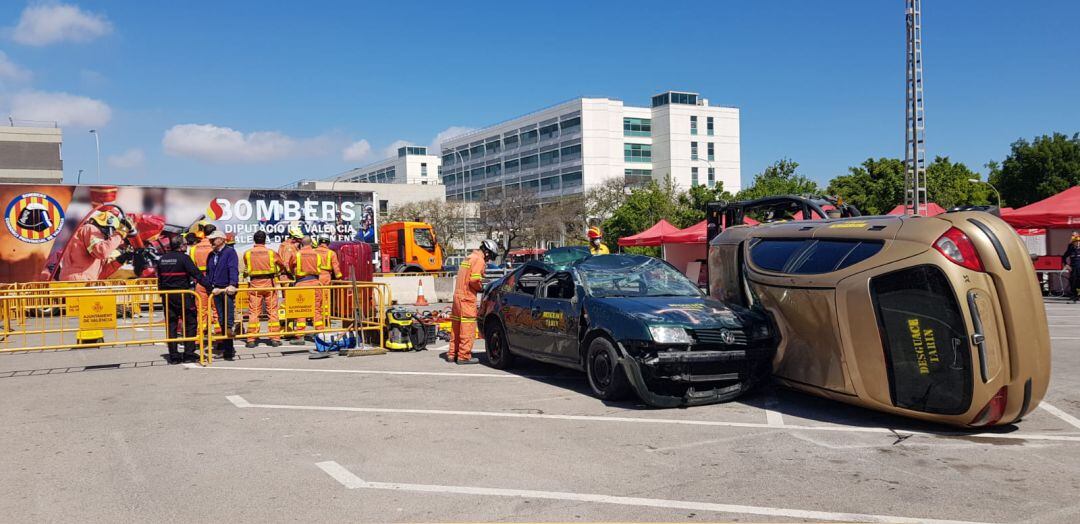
(286, 251)
(262, 268)
(92, 251)
(199, 251)
(305, 269)
(469, 282)
(330, 269)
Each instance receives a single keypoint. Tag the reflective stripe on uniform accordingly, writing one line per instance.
(266, 273)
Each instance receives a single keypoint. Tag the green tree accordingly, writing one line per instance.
(875, 186)
(779, 179)
(642, 208)
(949, 184)
(1038, 169)
(691, 204)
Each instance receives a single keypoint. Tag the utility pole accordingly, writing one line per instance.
(915, 198)
(97, 145)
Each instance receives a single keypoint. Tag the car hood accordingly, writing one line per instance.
(690, 312)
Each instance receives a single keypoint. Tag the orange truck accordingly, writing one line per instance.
(409, 247)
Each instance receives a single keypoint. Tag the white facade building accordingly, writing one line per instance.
(570, 147)
(412, 165)
(31, 155)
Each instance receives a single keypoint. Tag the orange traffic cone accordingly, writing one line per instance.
(420, 300)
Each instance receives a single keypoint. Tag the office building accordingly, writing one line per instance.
(412, 165)
(31, 155)
(570, 147)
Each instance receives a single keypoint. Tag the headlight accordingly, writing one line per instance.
(670, 335)
(762, 331)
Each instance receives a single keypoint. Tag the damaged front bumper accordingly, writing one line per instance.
(745, 380)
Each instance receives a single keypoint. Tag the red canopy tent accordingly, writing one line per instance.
(654, 236)
(696, 233)
(1059, 211)
(931, 210)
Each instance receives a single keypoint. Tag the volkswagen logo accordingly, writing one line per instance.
(727, 337)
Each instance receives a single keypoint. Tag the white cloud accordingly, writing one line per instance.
(130, 159)
(224, 145)
(68, 110)
(391, 150)
(356, 151)
(447, 134)
(48, 24)
(12, 72)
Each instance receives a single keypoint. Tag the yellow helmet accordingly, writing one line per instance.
(594, 232)
(295, 231)
(198, 227)
(105, 219)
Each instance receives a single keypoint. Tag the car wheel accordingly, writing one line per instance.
(498, 355)
(606, 376)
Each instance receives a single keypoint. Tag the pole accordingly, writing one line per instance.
(464, 204)
(996, 192)
(78, 178)
(97, 146)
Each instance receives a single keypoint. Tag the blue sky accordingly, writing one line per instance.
(257, 94)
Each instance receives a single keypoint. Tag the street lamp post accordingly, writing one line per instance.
(78, 178)
(97, 146)
(464, 204)
(996, 192)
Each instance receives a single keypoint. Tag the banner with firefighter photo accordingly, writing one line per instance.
(72, 233)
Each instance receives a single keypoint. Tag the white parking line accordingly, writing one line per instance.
(240, 402)
(1075, 422)
(381, 372)
(351, 481)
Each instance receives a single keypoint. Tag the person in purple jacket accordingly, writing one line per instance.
(223, 275)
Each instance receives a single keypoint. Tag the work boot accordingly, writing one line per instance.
(191, 357)
(174, 358)
(229, 355)
(275, 343)
(297, 342)
(462, 362)
(251, 344)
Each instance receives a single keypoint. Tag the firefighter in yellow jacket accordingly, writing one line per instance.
(262, 267)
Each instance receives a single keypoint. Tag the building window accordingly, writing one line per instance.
(476, 151)
(477, 173)
(571, 180)
(528, 162)
(512, 166)
(449, 159)
(711, 152)
(572, 125)
(493, 147)
(529, 137)
(550, 183)
(637, 126)
(530, 186)
(709, 126)
(449, 180)
(637, 177)
(411, 150)
(693, 177)
(569, 153)
(384, 207)
(637, 152)
(549, 131)
(712, 177)
(693, 125)
(549, 157)
(493, 171)
(510, 142)
(693, 150)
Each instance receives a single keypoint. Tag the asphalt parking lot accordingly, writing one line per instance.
(408, 437)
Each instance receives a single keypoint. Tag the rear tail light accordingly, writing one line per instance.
(994, 409)
(957, 247)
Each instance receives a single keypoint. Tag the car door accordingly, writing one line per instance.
(553, 315)
(516, 309)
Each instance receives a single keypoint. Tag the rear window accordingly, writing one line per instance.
(808, 257)
(925, 340)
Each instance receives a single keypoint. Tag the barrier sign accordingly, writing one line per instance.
(71, 305)
(97, 312)
(300, 303)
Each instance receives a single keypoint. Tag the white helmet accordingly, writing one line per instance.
(490, 246)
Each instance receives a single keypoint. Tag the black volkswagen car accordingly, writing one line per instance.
(633, 323)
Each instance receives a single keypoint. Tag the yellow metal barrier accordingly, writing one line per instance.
(85, 317)
(339, 314)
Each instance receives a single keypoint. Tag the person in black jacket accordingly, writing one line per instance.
(177, 271)
(1071, 259)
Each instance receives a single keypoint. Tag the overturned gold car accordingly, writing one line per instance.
(935, 318)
